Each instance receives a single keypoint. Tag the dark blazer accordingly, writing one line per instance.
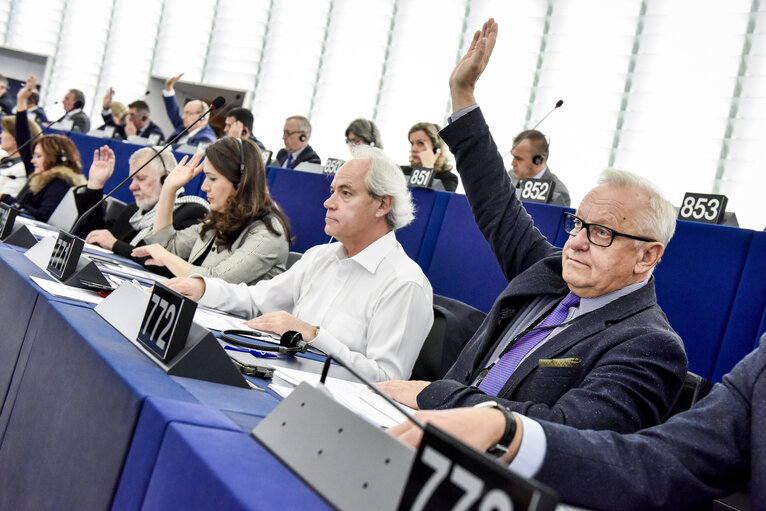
(630, 364)
(448, 179)
(206, 134)
(307, 154)
(80, 122)
(39, 116)
(560, 191)
(119, 129)
(184, 216)
(6, 104)
(707, 452)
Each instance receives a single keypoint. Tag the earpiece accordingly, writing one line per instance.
(61, 158)
(144, 118)
(291, 342)
(437, 150)
(302, 138)
(537, 160)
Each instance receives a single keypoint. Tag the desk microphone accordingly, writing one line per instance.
(371, 385)
(216, 104)
(558, 104)
(78, 104)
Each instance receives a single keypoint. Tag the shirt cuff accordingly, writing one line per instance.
(463, 111)
(168, 93)
(531, 453)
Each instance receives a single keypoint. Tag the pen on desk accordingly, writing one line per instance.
(255, 353)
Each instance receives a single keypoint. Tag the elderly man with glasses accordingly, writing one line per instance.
(577, 336)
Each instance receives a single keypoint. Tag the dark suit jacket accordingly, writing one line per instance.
(39, 116)
(707, 452)
(80, 122)
(560, 191)
(119, 129)
(307, 154)
(184, 216)
(631, 363)
(206, 134)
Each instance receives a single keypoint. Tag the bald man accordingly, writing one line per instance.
(201, 132)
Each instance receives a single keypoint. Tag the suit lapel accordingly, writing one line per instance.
(202, 246)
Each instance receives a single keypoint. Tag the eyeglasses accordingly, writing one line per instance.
(599, 235)
(355, 141)
(288, 133)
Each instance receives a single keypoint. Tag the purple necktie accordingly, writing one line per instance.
(500, 372)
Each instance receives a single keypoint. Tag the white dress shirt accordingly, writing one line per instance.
(374, 310)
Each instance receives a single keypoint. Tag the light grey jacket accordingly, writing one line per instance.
(256, 254)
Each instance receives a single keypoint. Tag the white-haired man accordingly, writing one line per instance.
(577, 336)
(362, 300)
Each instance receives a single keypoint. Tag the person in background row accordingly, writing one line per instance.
(137, 123)
(363, 131)
(115, 115)
(362, 300)
(128, 230)
(245, 236)
(6, 102)
(73, 102)
(427, 149)
(530, 160)
(52, 167)
(296, 135)
(34, 111)
(239, 124)
(201, 133)
(13, 174)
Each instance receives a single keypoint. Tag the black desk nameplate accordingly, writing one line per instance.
(536, 190)
(332, 165)
(14, 233)
(421, 177)
(67, 264)
(447, 474)
(703, 207)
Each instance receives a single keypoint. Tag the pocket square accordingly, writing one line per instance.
(558, 362)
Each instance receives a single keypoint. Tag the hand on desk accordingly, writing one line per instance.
(406, 392)
(102, 238)
(154, 252)
(192, 288)
(480, 428)
(280, 322)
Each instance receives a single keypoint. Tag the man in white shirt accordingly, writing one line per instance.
(362, 300)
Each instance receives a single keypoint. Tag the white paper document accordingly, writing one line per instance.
(355, 396)
(64, 291)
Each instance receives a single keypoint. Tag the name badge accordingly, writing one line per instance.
(166, 323)
(536, 190)
(332, 165)
(65, 255)
(703, 207)
(448, 475)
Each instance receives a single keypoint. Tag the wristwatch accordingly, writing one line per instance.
(510, 428)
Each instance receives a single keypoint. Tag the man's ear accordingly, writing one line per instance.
(385, 205)
(648, 257)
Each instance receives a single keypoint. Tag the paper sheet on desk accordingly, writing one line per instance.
(355, 396)
(64, 291)
(127, 272)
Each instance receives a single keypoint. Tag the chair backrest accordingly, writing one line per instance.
(113, 208)
(292, 257)
(65, 214)
(695, 388)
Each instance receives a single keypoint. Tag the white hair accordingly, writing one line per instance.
(659, 219)
(386, 178)
(156, 165)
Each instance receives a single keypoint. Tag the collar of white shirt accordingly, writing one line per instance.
(373, 254)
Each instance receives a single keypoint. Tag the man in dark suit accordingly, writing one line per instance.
(296, 135)
(139, 120)
(34, 111)
(611, 361)
(530, 160)
(709, 451)
(201, 132)
(73, 102)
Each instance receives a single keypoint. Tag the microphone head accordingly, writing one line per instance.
(79, 104)
(559, 103)
(147, 93)
(218, 102)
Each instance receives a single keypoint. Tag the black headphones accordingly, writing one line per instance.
(241, 163)
(302, 138)
(537, 159)
(61, 158)
(291, 342)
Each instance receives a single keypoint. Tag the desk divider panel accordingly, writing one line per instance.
(301, 195)
(696, 282)
(429, 205)
(747, 320)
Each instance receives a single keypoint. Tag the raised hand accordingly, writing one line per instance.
(463, 79)
(108, 98)
(170, 82)
(24, 92)
(102, 167)
(236, 129)
(184, 172)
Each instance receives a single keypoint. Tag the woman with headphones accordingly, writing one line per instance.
(52, 165)
(363, 132)
(245, 236)
(427, 149)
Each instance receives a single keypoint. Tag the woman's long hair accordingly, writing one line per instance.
(250, 201)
